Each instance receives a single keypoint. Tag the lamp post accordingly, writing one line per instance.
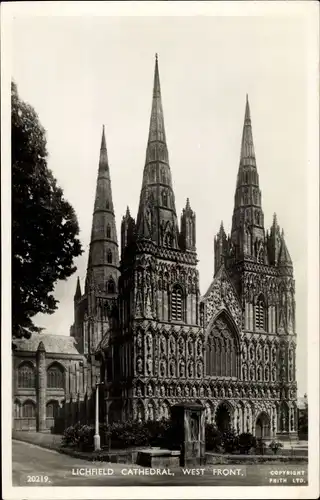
(96, 438)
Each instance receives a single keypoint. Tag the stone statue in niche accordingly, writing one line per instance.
(190, 350)
(251, 353)
(181, 346)
(244, 372)
(186, 390)
(179, 390)
(182, 368)
(163, 345)
(162, 390)
(149, 343)
(194, 392)
(139, 365)
(199, 370)
(162, 368)
(150, 391)
(190, 369)
(172, 345)
(292, 421)
(151, 411)
(139, 341)
(172, 370)
(149, 365)
(201, 391)
(199, 348)
(284, 426)
(139, 391)
(139, 415)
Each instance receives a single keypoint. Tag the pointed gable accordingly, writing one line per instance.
(221, 295)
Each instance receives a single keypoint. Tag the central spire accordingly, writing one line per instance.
(157, 220)
(247, 232)
(247, 156)
(156, 130)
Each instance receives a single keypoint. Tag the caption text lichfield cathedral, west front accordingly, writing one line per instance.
(155, 339)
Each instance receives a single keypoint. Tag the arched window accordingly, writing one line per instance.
(261, 256)
(52, 409)
(260, 314)
(107, 204)
(108, 231)
(222, 349)
(177, 304)
(26, 376)
(109, 257)
(17, 408)
(164, 198)
(29, 409)
(111, 287)
(55, 377)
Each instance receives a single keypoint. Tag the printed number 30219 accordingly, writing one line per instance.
(38, 479)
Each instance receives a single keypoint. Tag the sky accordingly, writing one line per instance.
(82, 72)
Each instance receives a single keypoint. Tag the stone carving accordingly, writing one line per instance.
(182, 368)
(149, 365)
(139, 365)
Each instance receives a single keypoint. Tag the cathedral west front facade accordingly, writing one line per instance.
(155, 339)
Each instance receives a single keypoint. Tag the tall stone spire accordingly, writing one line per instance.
(157, 219)
(103, 262)
(247, 233)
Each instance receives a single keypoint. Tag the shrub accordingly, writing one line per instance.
(213, 438)
(230, 441)
(85, 437)
(71, 435)
(246, 442)
(275, 446)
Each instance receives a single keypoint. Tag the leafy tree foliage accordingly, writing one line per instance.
(44, 224)
(303, 422)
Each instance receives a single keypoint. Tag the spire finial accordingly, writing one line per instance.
(156, 56)
(103, 139)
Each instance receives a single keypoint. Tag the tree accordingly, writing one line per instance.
(44, 224)
(303, 421)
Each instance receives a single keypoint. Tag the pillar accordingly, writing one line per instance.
(41, 388)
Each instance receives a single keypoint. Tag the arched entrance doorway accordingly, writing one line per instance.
(223, 417)
(262, 426)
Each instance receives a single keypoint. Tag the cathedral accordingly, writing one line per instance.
(150, 335)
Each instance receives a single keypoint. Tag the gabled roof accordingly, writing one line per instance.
(53, 344)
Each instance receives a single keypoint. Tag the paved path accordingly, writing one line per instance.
(32, 465)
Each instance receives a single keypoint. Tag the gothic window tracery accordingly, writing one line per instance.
(164, 198)
(55, 377)
(111, 287)
(26, 376)
(28, 409)
(177, 304)
(52, 409)
(260, 314)
(221, 350)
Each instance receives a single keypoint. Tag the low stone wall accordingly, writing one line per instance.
(53, 442)
(217, 459)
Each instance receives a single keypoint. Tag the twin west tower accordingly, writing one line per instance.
(153, 339)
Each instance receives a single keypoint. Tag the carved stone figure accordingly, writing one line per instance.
(139, 365)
